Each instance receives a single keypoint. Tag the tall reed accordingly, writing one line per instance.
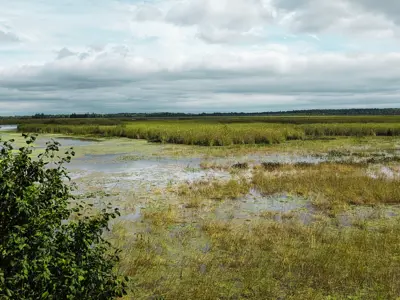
(182, 132)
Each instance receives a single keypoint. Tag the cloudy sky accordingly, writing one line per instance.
(197, 55)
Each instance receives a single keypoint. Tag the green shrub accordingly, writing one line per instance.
(48, 250)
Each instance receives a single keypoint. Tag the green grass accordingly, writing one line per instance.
(182, 132)
(350, 129)
(216, 190)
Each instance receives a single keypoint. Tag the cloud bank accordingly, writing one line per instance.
(198, 55)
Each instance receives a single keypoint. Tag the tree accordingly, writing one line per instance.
(48, 249)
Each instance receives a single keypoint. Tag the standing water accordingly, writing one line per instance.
(8, 127)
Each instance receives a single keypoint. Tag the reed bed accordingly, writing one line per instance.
(350, 129)
(182, 132)
(196, 132)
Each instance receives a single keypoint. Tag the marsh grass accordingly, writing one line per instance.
(190, 133)
(160, 214)
(216, 190)
(213, 165)
(330, 185)
(383, 159)
(186, 252)
(205, 133)
(130, 158)
(264, 260)
(352, 129)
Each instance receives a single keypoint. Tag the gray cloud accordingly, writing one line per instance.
(8, 37)
(104, 84)
(345, 16)
(65, 52)
(390, 8)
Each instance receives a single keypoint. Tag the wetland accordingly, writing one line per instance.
(290, 214)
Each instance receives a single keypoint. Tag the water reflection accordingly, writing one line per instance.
(8, 127)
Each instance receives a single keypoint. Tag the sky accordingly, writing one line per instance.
(109, 56)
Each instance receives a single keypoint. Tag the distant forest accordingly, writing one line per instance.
(311, 112)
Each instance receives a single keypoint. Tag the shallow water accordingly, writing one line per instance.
(254, 203)
(8, 127)
(40, 143)
(147, 172)
(133, 216)
(357, 214)
(111, 164)
(288, 158)
(256, 160)
(137, 170)
(385, 172)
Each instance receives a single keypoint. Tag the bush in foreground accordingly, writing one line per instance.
(48, 250)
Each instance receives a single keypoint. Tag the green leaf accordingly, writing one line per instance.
(45, 295)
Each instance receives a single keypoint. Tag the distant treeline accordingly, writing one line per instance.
(311, 112)
(391, 115)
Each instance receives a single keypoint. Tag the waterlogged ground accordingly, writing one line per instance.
(151, 173)
(198, 222)
(8, 128)
(126, 171)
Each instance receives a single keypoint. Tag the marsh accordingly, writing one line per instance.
(300, 218)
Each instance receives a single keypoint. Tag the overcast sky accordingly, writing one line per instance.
(105, 56)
